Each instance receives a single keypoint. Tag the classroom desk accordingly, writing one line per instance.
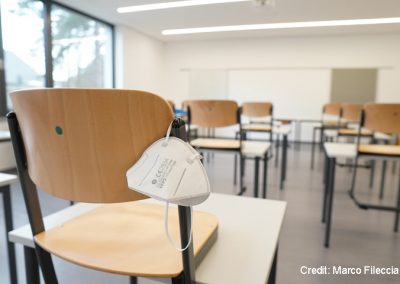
(244, 252)
(298, 122)
(333, 151)
(249, 149)
(284, 131)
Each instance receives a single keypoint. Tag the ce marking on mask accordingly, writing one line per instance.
(163, 171)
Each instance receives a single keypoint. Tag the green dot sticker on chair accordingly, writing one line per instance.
(59, 130)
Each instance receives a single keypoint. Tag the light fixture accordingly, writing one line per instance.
(175, 4)
(272, 26)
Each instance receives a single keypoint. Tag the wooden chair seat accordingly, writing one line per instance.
(330, 123)
(126, 238)
(354, 132)
(284, 121)
(382, 150)
(257, 127)
(249, 148)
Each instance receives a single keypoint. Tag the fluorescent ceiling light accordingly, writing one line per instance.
(272, 26)
(175, 4)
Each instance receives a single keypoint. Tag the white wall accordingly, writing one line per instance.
(305, 60)
(139, 61)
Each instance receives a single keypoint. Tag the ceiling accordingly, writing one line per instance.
(153, 22)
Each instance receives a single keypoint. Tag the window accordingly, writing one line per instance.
(82, 49)
(23, 44)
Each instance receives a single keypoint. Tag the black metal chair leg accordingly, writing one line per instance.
(265, 175)
(133, 280)
(256, 173)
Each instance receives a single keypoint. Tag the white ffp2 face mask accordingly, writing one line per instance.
(170, 170)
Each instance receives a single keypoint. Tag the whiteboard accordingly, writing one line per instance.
(295, 93)
(208, 84)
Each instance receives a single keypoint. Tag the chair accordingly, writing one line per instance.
(260, 115)
(329, 120)
(225, 113)
(77, 144)
(384, 118)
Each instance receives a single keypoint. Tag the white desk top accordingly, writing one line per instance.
(341, 150)
(6, 179)
(5, 135)
(255, 148)
(282, 129)
(248, 235)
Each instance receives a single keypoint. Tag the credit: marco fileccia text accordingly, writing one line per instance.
(348, 270)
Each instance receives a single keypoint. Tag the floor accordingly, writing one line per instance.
(358, 237)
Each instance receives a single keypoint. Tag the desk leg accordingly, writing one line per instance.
(284, 160)
(325, 194)
(265, 172)
(384, 166)
(299, 135)
(313, 147)
(9, 227)
(372, 174)
(321, 138)
(133, 280)
(256, 170)
(235, 170)
(31, 266)
(272, 273)
(331, 187)
(397, 217)
(277, 146)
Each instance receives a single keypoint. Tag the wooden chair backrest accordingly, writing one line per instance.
(382, 117)
(213, 113)
(257, 109)
(332, 109)
(79, 143)
(351, 112)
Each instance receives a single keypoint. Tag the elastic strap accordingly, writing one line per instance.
(168, 134)
(173, 243)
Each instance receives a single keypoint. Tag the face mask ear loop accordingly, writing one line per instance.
(167, 231)
(168, 134)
